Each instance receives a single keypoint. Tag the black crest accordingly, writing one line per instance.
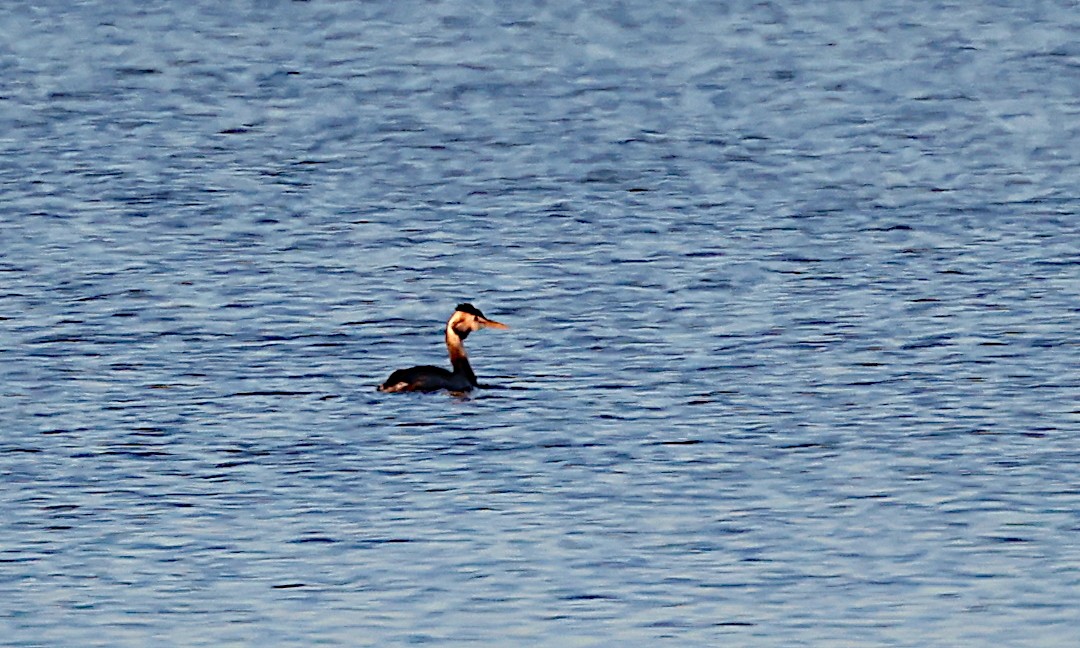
(470, 309)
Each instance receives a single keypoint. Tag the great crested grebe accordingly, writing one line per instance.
(466, 319)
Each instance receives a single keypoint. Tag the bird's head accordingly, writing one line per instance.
(468, 318)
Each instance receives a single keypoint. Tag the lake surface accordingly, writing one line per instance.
(793, 291)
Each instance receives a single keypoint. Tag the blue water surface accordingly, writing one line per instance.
(793, 291)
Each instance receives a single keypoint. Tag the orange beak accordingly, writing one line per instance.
(486, 323)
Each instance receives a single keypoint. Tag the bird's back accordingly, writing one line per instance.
(423, 378)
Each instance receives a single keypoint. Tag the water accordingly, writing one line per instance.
(793, 292)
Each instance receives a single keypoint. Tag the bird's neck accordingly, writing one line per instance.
(458, 358)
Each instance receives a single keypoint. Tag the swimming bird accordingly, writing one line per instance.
(466, 319)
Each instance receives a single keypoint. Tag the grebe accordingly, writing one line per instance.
(466, 319)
